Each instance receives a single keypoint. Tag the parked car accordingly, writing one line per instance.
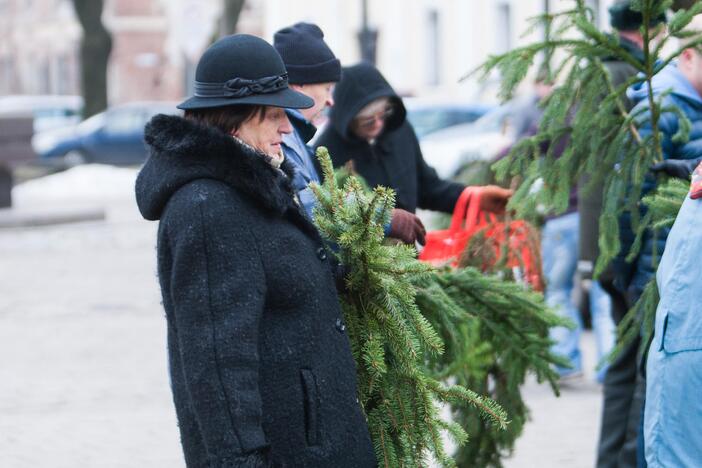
(48, 111)
(430, 115)
(115, 136)
(452, 149)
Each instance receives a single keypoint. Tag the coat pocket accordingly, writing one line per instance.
(681, 332)
(311, 407)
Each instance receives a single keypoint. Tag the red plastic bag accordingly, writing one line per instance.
(517, 239)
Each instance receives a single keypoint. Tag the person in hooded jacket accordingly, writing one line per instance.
(680, 81)
(260, 363)
(368, 127)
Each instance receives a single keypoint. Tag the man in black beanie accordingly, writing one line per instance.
(623, 385)
(314, 70)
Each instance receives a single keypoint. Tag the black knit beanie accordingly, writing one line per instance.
(623, 18)
(307, 57)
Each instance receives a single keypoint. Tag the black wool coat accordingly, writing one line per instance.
(394, 160)
(260, 363)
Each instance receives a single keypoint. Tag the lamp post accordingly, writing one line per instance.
(367, 37)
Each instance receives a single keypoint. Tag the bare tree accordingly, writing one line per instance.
(95, 50)
(230, 16)
(680, 4)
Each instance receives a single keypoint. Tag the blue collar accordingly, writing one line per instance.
(302, 126)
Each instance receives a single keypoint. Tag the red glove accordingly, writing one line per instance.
(407, 227)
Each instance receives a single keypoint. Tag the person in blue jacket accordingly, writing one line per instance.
(673, 408)
(313, 70)
(681, 81)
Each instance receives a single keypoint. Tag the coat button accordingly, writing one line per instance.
(321, 253)
(340, 325)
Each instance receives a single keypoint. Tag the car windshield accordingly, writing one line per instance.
(92, 124)
(429, 120)
(492, 122)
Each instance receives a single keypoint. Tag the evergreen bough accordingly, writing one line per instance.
(605, 144)
(663, 207)
(413, 329)
(496, 333)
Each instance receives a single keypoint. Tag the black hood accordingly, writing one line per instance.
(359, 86)
(182, 150)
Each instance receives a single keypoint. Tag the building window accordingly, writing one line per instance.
(7, 75)
(45, 77)
(433, 49)
(63, 75)
(594, 5)
(503, 41)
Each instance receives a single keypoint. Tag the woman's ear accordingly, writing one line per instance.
(234, 133)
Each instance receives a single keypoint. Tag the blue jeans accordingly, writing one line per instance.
(559, 246)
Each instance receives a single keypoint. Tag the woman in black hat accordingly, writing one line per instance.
(260, 364)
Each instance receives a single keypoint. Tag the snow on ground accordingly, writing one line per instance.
(83, 376)
(87, 183)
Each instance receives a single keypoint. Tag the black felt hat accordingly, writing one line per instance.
(307, 57)
(243, 69)
(623, 18)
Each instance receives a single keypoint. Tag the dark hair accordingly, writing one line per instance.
(227, 119)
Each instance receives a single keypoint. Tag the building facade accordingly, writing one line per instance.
(423, 46)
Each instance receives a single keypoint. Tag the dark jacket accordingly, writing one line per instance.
(260, 364)
(634, 276)
(590, 202)
(394, 160)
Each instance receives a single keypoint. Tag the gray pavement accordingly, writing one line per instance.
(83, 379)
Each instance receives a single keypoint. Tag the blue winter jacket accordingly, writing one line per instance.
(674, 367)
(301, 156)
(633, 277)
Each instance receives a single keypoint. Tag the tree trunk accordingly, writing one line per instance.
(230, 16)
(95, 50)
(680, 4)
(5, 187)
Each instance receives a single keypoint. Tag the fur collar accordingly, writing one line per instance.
(182, 151)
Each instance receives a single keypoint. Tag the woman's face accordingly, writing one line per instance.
(370, 121)
(265, 134)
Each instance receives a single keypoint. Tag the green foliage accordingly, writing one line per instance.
(663, 207)
(389, 335)
(414, 328)
(496, 332)
(665, 203)
(604, 142)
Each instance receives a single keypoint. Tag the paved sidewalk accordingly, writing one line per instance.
(83, 379)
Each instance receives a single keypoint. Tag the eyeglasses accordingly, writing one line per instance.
(368, 122)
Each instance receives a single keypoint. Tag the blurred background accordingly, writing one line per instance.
(83, 376)
(140, 55)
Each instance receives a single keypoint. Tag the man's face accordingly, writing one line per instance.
(321, 93)
(690, 64)
(370, 121)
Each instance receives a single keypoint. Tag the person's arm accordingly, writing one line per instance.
(667, 128)
(218, 289)
(631, 277)
(671, 165)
